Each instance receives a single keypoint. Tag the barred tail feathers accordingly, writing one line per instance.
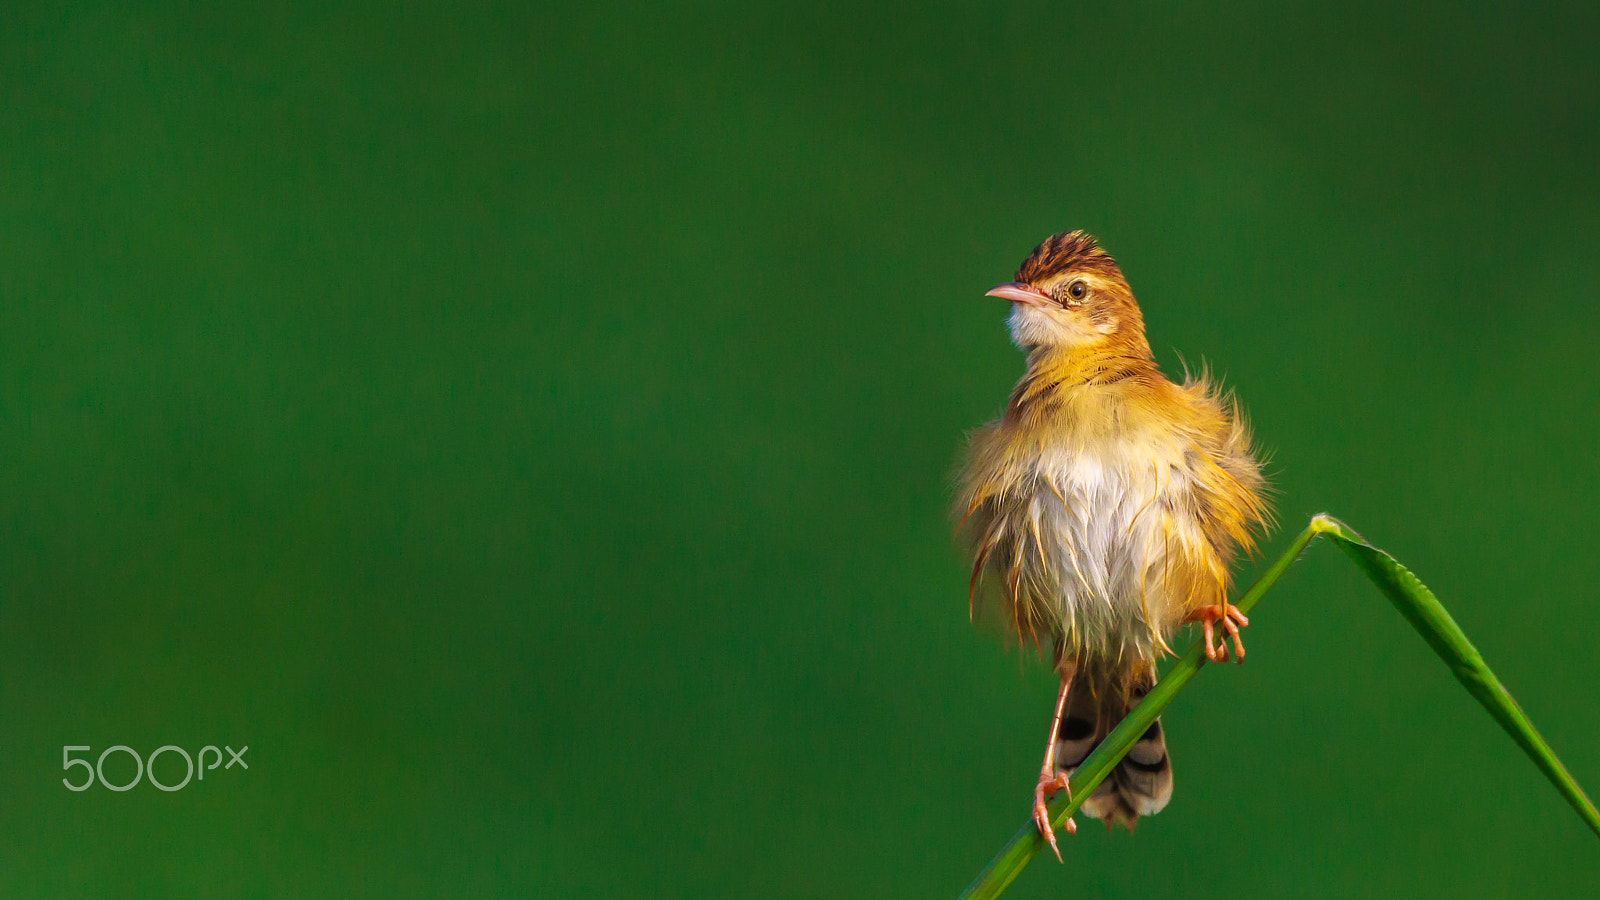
(1141, 784)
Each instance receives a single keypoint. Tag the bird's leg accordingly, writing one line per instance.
(1232, 619)
(1051, 780)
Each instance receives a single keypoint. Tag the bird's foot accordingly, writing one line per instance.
(1049, 783)
(1232, 620)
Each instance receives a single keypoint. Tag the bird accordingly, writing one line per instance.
(1102, 511)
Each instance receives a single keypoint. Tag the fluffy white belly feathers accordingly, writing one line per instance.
(1092, 550)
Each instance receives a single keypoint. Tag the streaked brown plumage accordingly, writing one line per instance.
(1103, 510)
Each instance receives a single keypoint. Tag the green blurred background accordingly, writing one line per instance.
(530, 431)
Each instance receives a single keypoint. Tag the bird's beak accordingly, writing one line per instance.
(1018, 292)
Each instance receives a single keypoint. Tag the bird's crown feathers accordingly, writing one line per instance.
(1069, 251)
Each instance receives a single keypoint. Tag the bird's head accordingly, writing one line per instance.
(1069, 295)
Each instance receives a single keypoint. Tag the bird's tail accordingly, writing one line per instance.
(1141, 784)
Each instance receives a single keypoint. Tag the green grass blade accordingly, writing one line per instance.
(1415, 602)
(1428, 616)
(1027, 843)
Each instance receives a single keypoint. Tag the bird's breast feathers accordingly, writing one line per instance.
(1097, 545)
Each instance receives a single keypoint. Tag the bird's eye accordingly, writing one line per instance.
(1077, 290)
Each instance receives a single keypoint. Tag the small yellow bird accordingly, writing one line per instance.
(1103, 510)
